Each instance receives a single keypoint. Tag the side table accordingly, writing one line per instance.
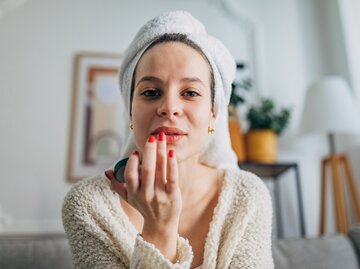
(274, 171)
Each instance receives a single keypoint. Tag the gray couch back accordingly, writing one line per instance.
(35, 252)
(330, 252)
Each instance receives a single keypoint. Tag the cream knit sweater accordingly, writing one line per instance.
(101, 235)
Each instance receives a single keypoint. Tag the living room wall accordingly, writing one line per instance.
(39, 39)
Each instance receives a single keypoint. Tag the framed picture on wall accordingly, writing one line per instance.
(96, 131)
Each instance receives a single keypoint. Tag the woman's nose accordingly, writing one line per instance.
(170, 106)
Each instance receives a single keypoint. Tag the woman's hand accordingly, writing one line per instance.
(153, 189)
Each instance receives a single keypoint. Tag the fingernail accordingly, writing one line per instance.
(171, 153)
(161, 136)
(107, 175)
(136, 153)
(152, 139)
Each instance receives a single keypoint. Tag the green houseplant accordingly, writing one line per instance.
(265, 124)
(236, 135)
(264, 116)
(237, 93)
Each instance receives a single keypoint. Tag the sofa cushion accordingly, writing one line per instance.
(35, 251)
(330, 252)
(354, 236)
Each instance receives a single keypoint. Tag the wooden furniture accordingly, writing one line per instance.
(331, 108)
(274, 171)
(338, 162)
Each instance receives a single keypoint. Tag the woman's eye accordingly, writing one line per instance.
(192, 93)
(151, 93)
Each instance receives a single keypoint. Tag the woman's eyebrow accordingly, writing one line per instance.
(193, 79)
(156, 79)
(148, 78)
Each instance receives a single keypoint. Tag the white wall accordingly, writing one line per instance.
(37, 45)
(350, 19)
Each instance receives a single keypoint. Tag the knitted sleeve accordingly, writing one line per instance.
(146, 255)
(91, 245)
(98, 239)
(254, 251)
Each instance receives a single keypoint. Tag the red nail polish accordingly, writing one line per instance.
(161, 136)
(107, 175)
(171, 153)
(136, 153)
(152, 139)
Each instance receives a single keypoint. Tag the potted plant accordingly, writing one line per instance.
(265, 124)
(236, 135)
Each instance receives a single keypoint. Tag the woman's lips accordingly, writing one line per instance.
(172, 133)
(171, 130)
(171, 139)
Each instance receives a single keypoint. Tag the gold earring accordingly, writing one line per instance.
(131, 126)
(211, 130)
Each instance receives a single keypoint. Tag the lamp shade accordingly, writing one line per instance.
(330, 107)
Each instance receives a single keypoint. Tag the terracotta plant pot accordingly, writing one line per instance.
(261, 146)
(237, 138)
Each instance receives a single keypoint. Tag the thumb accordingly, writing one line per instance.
(115, 185)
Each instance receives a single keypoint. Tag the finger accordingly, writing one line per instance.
(115, 185)
(172, 172)
(161, 160)
(131, 174)
(148, 166)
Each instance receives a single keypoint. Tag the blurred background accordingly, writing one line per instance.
(284, 44)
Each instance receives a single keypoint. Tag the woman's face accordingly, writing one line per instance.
(172, 89)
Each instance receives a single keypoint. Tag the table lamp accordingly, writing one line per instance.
(330, 108)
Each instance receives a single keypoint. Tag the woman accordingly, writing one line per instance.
(184, 203)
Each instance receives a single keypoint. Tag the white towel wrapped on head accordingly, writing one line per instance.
(218, 152)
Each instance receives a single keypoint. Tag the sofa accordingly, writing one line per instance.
(52, 251)
(328, 252)
(35, 252)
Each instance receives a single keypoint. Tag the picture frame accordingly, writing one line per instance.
(96, 131)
